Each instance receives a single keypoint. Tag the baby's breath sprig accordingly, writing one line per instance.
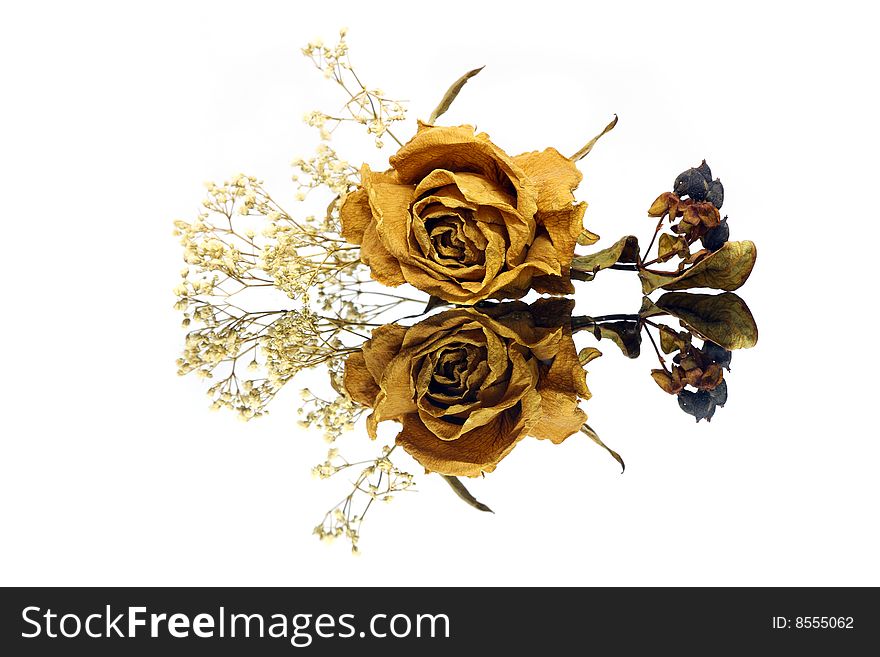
(379, 480)
(242, 239)
(332, 416)
(221, 258)
(252, 356)
(325, 169)
(365, 106)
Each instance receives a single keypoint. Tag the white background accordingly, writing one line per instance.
(115, 472)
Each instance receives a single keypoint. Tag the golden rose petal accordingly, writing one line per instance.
(561, 388)
(556, 285)
(459, 149)
(389, 202)
(491, 204)
(564, 228)
(372, 426)
(542, 256)
(475, 189)
(384, 267)
(566, 373)
(555, 178)
(561, 391)
(471, 455)
(355, 215)
(516, 282)
(397, 396)
(384, 344)
(523, 378)
(357, 380)
(449, 196)
(452, 148)
(560, 417)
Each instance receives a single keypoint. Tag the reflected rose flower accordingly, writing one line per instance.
(460, 219)
(469, 383)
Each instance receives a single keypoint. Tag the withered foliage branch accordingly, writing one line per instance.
(692, 214)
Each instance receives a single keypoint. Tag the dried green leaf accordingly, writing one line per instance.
(595, 438)
(626, 335)
(671, 340)
(465, 494)
(668, 343)
(649, 308)
(587, 238)
(582, 153)
(451, 94)
(726, 269)
(725, 319)
(625, 250)
(587, 354)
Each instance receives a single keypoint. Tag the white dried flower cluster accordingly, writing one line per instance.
(218, 255)
(365, 106)
(252, 356)
(333, 417)
(307, 260)
(300, 340)
(304, 257)
(380, 480)
(273, 249)
(242, 239)
(325, 169)
(225, 350)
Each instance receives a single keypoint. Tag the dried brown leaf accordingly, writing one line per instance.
(669, 384)
(671, 246)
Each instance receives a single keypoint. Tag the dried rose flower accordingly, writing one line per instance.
(469, 383)
(458, 218)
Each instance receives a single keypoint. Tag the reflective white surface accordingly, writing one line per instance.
(115, 472)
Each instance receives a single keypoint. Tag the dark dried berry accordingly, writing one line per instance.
(717, 354)
(716, 237)
(719, 393)
(705, 171)
(715, 195)
(691, 183)
(699, 404)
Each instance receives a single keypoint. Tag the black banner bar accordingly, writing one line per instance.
(276, 621)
